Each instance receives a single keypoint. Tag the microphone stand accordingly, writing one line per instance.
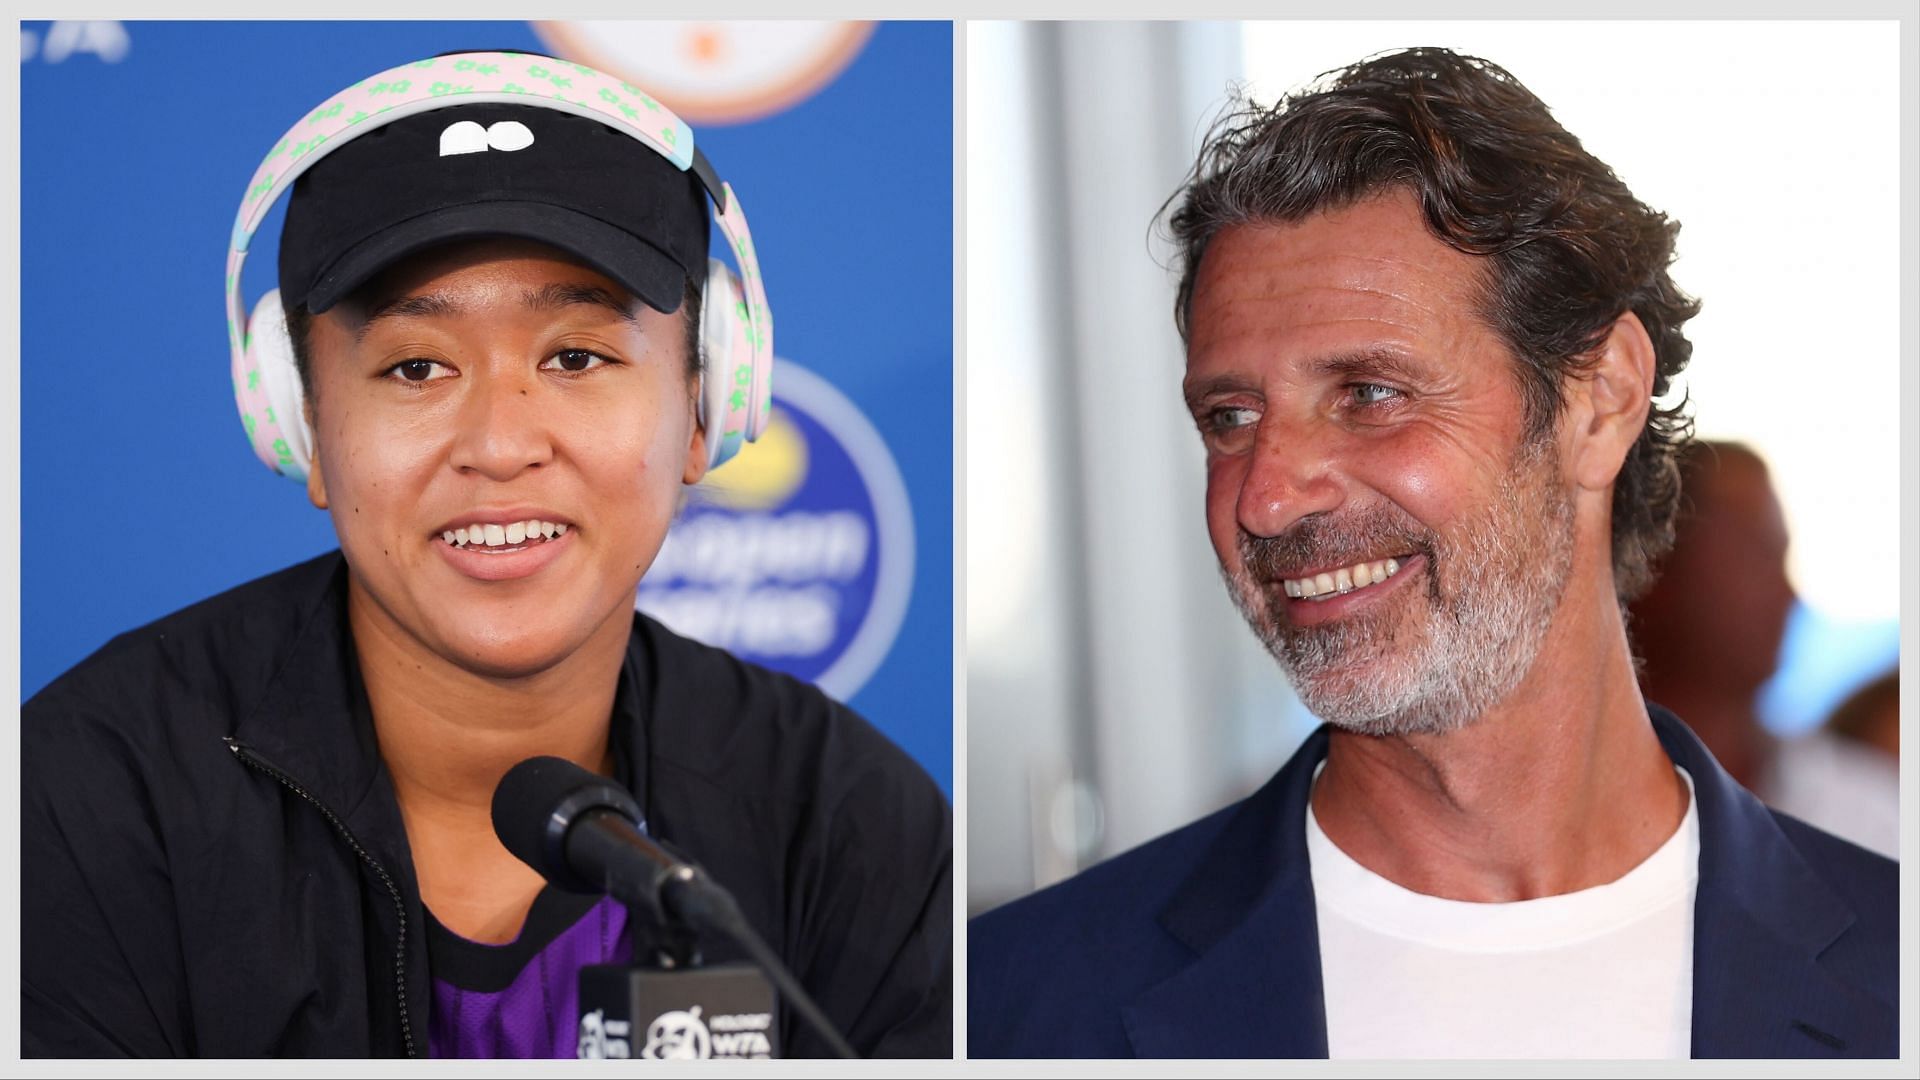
(580, 820)
(686, 899)
(678, 948)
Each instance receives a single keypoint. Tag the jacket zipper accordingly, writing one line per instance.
(253, 760)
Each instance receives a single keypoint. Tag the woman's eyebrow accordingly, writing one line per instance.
(558, 295)
(546, 298)
(431, 305)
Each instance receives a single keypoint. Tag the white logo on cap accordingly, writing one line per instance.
(468, 137)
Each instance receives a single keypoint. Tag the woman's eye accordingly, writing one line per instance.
(574, 360)
(418, 371)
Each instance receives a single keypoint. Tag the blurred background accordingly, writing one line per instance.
(1114, 693)
(825, 551)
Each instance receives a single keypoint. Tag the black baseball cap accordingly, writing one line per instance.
(471, 171)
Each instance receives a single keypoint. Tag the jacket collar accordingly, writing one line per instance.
(313, 722)
(1253, 989)
(313, 725)
(1761, 919)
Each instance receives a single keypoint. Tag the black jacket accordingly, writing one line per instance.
(213, 862)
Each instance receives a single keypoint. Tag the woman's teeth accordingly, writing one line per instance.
(511, 533)
(1341, 581)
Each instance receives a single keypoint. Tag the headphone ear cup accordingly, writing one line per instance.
(266, 385)
(726, 364)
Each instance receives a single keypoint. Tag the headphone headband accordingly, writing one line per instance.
(519, 79)
(483, 78)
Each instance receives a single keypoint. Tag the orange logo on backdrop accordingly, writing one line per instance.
(714, 72)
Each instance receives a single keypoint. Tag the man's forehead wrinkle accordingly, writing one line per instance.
(1382, 290)
(1385, 289)
(1327, 341)
(1368, 360)
(1197, 388)
(1350, 250)
(1332, 336)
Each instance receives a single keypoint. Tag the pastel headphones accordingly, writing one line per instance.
(736, 327)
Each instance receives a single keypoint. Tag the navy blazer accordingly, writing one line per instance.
(1204, 943)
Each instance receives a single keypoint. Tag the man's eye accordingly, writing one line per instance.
(574, 360)
(418, 371)
(1222, 420)
(1372, 393)
(1229, 429)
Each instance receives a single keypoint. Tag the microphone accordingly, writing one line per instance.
(584, 833)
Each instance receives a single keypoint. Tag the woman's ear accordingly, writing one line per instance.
(316, 481)
(696, 466)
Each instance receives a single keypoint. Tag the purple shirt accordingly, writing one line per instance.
(521, 999)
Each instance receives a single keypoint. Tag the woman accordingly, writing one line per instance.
(260, 826)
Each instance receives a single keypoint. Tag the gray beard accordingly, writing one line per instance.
(1493, 585)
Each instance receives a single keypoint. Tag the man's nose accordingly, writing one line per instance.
(1290, 473)
(502, 429)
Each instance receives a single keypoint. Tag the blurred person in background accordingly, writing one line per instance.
(1870, 716)
(1709, 632)
(1844, 776)
(1426, 331)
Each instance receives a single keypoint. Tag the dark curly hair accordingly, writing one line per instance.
(1569, 249)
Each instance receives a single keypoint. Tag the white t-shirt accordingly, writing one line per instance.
(1605, 972)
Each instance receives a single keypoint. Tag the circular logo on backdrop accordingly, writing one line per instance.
(798, 553)
(714, 72)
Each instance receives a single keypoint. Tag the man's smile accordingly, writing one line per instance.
(1342, 580)
(1346, 596)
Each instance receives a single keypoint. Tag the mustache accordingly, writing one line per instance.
(1320, 540)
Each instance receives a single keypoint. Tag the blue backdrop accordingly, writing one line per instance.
(135, 472)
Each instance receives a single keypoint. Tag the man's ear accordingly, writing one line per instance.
(1608, 403)
(316, 482)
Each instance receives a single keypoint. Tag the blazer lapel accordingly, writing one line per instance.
(1253, 989)
(1761, 920)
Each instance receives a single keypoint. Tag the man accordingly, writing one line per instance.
(261, 826)
(1709, 632)
(1425, 331)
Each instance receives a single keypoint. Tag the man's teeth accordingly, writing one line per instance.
(511, 533)
(1344, 580)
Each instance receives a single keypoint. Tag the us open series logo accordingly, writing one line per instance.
(798, 554)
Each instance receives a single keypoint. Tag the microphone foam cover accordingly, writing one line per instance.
(538, 800)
